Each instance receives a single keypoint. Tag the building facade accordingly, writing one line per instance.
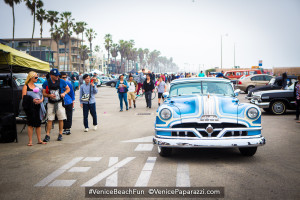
(46, 49)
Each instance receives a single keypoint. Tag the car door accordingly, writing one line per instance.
(260, 81)
(266, 79)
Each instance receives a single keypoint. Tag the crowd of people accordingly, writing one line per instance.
(57, 97)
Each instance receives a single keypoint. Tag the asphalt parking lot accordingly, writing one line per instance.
(117, 153)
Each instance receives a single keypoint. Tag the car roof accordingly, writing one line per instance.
(242, 70)
(258, 75)
(199, 79)
(289, 76)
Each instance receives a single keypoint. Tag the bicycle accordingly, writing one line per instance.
(141, 94)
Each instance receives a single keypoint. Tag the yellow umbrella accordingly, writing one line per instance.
(20, 62)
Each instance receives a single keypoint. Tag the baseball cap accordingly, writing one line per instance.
(54, 72)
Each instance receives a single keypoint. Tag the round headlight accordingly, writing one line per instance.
(165, 114)
(252, 113)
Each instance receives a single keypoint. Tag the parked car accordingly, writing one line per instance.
(104, 79)
(236, 74)
(40, 82)
(247, 83)
(274, 84)
(275, 101)
(205, 113)
(6, 87)
(112, 83)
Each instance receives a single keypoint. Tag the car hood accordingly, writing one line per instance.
(199, 106)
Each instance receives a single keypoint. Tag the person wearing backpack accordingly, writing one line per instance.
(55, 89)
(88, 102)
(122, 89)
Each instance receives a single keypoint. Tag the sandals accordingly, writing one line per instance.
(29, 144)
(42, 143)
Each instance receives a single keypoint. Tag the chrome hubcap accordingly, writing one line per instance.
(278, 107)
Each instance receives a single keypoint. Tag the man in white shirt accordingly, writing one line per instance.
(132, 89)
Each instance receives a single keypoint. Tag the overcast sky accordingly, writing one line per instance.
(187, 30)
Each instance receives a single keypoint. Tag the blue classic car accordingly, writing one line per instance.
(205, 113)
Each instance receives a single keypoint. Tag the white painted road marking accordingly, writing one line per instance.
(144, 147)
(143, 139)
(146, 173)
(112, 180)
(107, 172)
(79, 169)
(93, 159)
(58, 172)
(62, 183)
(183, 175)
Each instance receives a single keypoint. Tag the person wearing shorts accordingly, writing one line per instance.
(161, 88)
(55, 89)
(131, 91)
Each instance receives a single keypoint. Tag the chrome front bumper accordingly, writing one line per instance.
(260, 104)
(211, 143)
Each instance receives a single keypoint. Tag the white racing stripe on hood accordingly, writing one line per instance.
(209, 105)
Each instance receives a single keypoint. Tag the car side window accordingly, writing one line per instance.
(268, 78)
(253, 78)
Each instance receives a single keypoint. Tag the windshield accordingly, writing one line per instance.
(215, 88)
(272, 81)
(20, 81)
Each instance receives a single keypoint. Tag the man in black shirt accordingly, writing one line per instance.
(148, 88)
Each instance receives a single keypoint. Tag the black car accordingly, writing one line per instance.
(10, 102)
(274, 84)
(275, 101)
(112, 83)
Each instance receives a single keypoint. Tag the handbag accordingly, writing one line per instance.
(86, 97)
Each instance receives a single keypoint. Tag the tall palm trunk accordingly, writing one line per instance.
(32, 32)
(65, 56)
(50, 47)
(13, 11)
(77, 53)
(68, 61)
(41, 41)
(91, 56)
(83, 66)
(57, 55)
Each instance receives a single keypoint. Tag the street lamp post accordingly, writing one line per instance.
(233, 55)
(222, 50)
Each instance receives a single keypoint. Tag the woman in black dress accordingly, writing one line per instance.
(32, 108)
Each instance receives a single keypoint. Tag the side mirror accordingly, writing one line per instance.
(166, 95)
(236, 92)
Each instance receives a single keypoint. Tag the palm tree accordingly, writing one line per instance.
(108, 42)
(51, 19)
(84, 54)
(128, 52)
(122, 49)
(97, 48)
(40, 17)
(90, 34)
(12, 3)
(33, 5)
(56, 34)
(66, 25)
(141, 56)
(114, 51)
(78, 28)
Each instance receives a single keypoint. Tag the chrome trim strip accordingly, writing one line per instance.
(215, 143)
(195, 131)
(261, 105)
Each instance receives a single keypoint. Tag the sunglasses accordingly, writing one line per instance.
(36, 77)
(64, 77)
